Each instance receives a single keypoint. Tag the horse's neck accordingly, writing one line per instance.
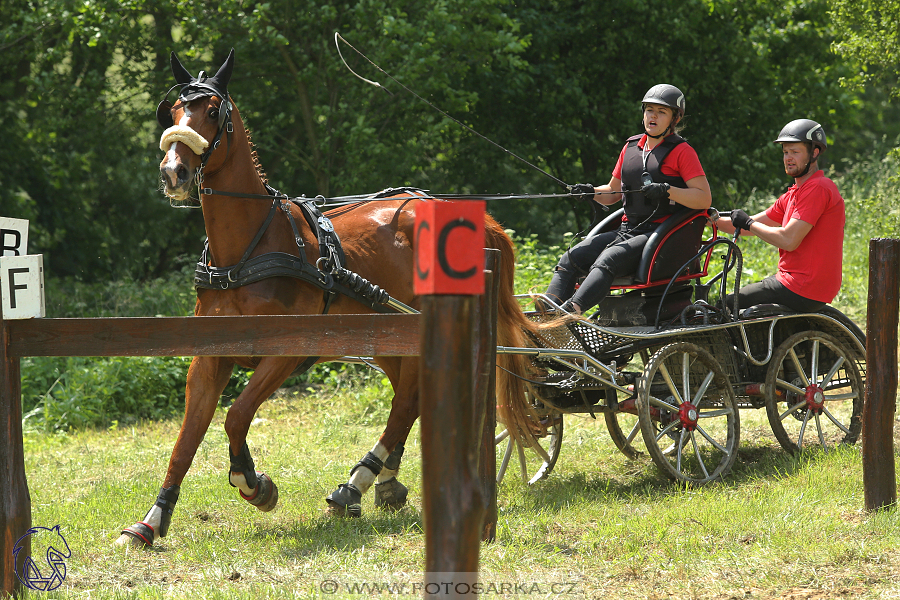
(232, 223)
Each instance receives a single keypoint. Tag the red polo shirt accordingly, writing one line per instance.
(813, 270)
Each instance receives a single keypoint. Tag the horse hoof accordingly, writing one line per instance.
(346, 501)
(266, 496)
(390, 495)
(352, 511)
(139, 535)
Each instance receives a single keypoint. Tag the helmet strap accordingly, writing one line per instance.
(669, 129)
(809, 162)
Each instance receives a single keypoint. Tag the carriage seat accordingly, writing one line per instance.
(761, 311)
(674, 242)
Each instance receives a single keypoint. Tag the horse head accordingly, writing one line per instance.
(193, 125)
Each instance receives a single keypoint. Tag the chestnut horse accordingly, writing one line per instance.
(206, 144)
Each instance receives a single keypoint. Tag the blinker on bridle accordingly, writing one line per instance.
(192, 91)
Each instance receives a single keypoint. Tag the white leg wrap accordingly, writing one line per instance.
(239, 481)
(153, 518)
(363, 478)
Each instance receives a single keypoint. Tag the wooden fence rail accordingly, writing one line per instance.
(307, 335)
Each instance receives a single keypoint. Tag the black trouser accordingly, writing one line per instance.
(772, 291)
(601, 258)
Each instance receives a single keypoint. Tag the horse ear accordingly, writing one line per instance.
(223, 75)
(164, 114)
(181, 74)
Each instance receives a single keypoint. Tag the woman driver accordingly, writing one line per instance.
(658, 170)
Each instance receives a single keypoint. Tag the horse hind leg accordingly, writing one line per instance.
(390, 494)
(346, 501)
(383, 462)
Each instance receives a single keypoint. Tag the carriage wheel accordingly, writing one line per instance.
(535, 463)
(624, 428)
(688, 414)
(814, 393)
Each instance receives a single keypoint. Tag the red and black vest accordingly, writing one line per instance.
(637, 207)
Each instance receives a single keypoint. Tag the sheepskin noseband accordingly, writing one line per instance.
(181, 133)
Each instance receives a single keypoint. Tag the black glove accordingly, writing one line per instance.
(656, 192)
(583, 191)
(741, 220)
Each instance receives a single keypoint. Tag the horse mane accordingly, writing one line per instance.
(255, 158)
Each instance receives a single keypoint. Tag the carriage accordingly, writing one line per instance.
(670, 371)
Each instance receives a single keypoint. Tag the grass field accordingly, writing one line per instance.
(600, 526)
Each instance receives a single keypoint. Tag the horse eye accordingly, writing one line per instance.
(213, 113)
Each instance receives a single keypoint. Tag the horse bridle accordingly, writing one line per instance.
(225, 124)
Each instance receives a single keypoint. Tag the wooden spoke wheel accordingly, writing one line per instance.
(814, 393)
(688, 414)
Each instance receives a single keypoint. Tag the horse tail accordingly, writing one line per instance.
(514, 371)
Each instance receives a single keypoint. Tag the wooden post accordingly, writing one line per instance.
(487, 413)
(15, 501)
(451, 489)
(879, 479)
(449, 278)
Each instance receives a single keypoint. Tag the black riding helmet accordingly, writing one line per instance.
(666, 95)
(806, 131)
(803, 130)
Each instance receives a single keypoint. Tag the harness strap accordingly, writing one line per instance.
(281, 264)
(256, 239)
(212, 192)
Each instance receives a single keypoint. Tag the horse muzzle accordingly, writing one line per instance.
(176, 179)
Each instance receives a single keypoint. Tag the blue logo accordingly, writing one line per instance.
(54, 572)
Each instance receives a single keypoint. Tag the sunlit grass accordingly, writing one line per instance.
(614, 527)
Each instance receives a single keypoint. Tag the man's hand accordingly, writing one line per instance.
(741, 220)
(582, 191)
(657, 192)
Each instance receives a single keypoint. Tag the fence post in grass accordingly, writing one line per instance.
(879, 478)
(486, 397)
(15, 501)
(449, 278)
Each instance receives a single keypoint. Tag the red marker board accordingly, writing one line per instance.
(449, 248)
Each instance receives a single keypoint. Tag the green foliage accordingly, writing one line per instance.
(589, 64)
(65, 393)
(169, 295)
(75, 392)
(870, 33)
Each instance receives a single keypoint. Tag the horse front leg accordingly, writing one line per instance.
(206, 379)
(383, 461)
(255, 487)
